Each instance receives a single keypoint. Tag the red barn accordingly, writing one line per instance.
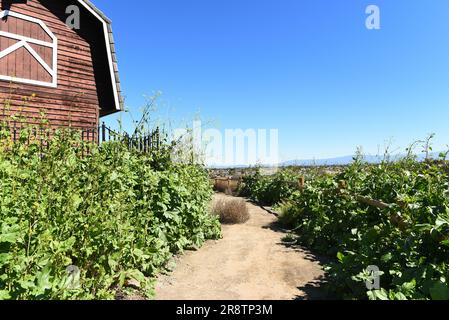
(69, 71)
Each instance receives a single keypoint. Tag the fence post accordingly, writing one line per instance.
(103, 132)
(301, 183)
(14, 132)
(48, 139)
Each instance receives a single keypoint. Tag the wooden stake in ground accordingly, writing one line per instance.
(301, 183)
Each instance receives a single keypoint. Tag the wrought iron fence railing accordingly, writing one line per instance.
(145, 142)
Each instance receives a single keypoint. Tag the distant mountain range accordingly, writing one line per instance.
(338, 161)
(345, 160)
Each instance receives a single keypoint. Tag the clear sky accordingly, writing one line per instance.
(309, 68)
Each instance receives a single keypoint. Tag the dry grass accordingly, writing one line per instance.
(231, 211)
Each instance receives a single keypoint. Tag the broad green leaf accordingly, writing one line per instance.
(381, 294)
(4, 295)
(440, 221)
(43, 280)
(400, 296)
(340, 257)
(439, 291)
(377, 294)
(387, 257)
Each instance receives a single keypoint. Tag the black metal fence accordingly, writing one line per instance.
(138, 142)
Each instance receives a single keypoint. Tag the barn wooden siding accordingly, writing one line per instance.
(75, 101)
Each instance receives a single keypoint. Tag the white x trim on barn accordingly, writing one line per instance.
(24, 43)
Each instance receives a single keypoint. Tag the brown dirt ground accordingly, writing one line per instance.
(249, 263)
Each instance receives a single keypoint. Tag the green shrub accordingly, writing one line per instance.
(269, 190)
(408, 241)
(112, 214)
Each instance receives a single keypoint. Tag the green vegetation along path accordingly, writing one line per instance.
(249, 263)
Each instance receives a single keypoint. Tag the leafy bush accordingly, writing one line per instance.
(269, 190)
(112, 214)
(231, 211)
(408, 240)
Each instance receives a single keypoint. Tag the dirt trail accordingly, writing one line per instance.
(249, 263)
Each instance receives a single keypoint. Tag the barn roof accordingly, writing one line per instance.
(112, 57)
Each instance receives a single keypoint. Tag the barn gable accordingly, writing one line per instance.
(73, 74)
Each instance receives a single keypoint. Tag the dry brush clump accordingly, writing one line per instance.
(231, 211)
(226, 186)
(221, 186)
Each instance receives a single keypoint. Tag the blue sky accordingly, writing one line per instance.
(309, 68)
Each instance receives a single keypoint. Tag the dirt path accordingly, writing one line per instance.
(249, 263)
